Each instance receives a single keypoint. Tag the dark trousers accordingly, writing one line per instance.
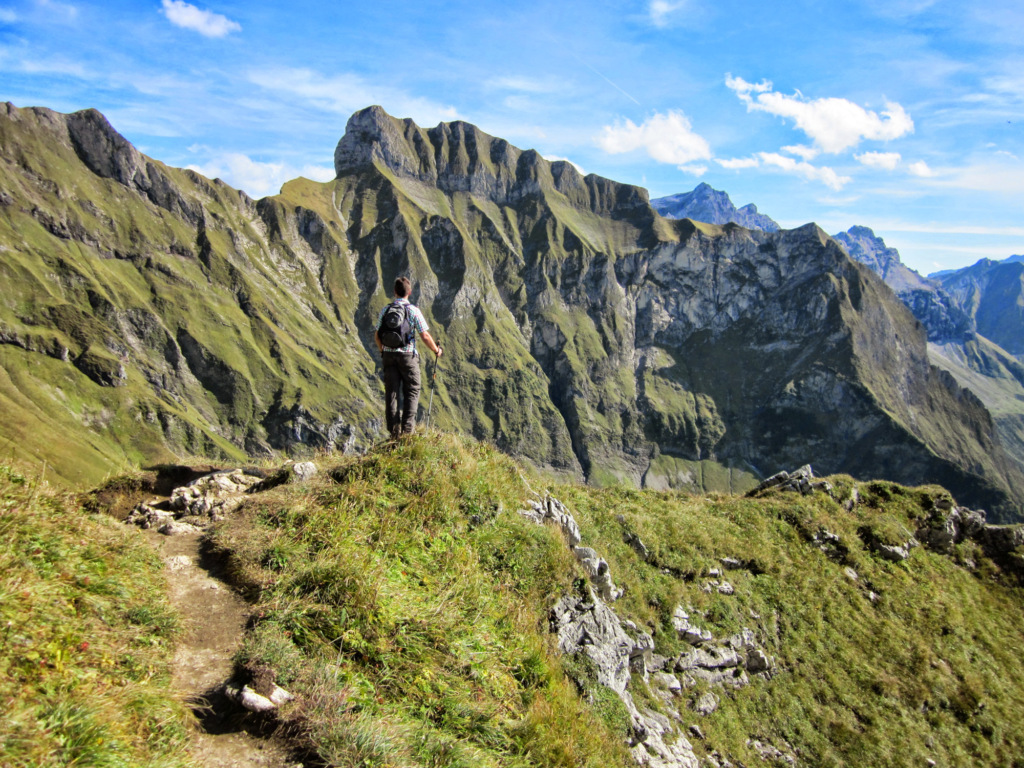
(401, 375)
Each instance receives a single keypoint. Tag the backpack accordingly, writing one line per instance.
(395, 329)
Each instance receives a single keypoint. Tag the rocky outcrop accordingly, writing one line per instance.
(618, 650)
(197, 505)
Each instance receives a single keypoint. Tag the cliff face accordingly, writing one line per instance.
(992, 294)
(963, 311)
(583, 332)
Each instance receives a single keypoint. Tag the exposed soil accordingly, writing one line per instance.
(214, 616)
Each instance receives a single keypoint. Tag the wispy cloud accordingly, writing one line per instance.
(667, 138)
(884, 160)
(525, 84)
(824, 174)
(59, 11)
(345, 93)
(802, 150)
(737, 163)
(206, 23)
(833, 124)
(659, 11)
(8, 16)
(256, 178)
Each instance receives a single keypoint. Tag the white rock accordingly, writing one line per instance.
(304, 470)
(254, 702)
(279, 696)
(671, 682)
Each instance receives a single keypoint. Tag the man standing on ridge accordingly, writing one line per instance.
(397, 326)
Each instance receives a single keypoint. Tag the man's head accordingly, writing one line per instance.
(403, 287)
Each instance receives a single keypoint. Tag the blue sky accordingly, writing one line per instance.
(902, 115)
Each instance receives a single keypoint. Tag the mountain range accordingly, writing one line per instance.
(150, 311)
(713, 206)
(973, 315)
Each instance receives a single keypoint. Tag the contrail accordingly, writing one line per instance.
(613, 85)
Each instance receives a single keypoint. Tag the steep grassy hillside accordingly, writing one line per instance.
(406, 602)
(152, 312)
(85, 639)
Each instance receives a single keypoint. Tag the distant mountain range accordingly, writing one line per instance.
(714, 207)
(942, 273)
(974, 316)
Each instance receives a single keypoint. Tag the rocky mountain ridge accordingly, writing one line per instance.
(714, 206)
(152, 310)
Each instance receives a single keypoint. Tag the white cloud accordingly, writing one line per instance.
(833, 124)
(743, 88)
(739, 162)
(694, 170)
(802, 150)
(667, 138)
(885, 160)
(206, 23)
(920, 168)
(553, 158)
(256, 178)
(660, 10)
(8, 16)
(825, 175)
(345, 93)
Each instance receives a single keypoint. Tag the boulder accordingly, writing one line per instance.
(706, 704)
(304, 470)
(758, 661)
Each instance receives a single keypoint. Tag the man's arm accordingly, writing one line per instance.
(380, 344)
(431, 344)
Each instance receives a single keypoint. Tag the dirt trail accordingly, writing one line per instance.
(214, 618)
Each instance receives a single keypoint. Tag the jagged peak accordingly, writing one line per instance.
(458, 156)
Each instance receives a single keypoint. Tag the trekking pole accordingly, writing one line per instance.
(432, 388)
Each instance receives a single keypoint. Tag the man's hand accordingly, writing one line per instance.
(431, 344)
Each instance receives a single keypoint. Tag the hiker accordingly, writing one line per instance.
(397, 326)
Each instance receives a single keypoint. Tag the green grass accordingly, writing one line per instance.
(406, 603)
(414, 635)
(85, 639)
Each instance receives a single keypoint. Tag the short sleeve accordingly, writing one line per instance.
(421, 321)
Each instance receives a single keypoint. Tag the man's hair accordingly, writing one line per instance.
(403, 287)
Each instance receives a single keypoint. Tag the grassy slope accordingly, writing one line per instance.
(406, 602)
(85, 644)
